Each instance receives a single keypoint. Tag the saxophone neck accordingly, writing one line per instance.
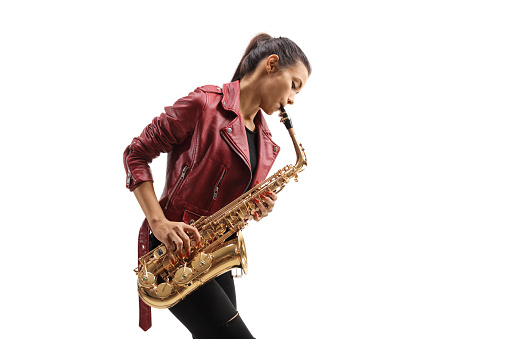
(299, 150)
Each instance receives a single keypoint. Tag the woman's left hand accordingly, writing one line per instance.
(265, 205)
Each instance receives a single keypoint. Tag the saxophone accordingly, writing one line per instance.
(162, 284)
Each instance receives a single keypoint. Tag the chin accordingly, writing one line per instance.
(268, 112)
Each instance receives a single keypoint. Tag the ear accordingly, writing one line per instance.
(271, 64)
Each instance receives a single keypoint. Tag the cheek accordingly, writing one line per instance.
(269, 93)
(277, 91)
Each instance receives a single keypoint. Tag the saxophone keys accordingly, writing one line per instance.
(164, 290)
(146, 279)
(202, 262)
(207, 235)
(183, 276)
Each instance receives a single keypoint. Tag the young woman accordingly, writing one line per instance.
(218, 146)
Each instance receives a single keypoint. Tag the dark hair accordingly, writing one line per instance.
(262, 46)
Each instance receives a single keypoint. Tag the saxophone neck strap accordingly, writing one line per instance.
(145, 313)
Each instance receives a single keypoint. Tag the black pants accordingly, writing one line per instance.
(211, 311)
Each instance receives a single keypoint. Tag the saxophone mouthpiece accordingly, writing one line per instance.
(285, 119)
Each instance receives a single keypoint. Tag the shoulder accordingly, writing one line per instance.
(208, 95)
(201, 96)
(210, 89)
(205, 94)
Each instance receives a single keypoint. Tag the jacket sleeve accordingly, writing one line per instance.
(167, 130)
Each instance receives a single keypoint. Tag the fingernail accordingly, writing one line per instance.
(255, 214)
(188, 253)
(199, 243)
(257, 201)
(257, 182)
(269, 192)
(172, 260)
(181, 256)
(262, 196)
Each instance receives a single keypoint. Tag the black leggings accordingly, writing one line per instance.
(211, 311)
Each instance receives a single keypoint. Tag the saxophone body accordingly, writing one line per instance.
(162, 284)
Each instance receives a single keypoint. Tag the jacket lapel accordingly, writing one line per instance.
(234, 131)
(235, 134)
(267, 149)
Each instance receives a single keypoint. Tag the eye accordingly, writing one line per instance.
(293, 84)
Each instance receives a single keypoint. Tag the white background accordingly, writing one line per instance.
(398, 228)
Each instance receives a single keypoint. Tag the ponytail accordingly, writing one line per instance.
(262, 46)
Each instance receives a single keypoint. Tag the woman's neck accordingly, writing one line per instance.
(249, 101)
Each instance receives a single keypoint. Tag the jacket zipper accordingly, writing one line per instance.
(182, 176)
(129, 174)
(231, 146)
(216, 190)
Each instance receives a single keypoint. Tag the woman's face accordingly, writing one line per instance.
(281, 86)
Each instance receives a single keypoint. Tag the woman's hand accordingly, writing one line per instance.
(176, 237)
(265, 205)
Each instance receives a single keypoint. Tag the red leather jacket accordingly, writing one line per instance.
(208, 160)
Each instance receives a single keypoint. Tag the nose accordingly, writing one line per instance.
(291, 99)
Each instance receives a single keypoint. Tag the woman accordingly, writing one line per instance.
(218, 146)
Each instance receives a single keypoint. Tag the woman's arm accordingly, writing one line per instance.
(169, 129)
(168, 232)
(160, 136)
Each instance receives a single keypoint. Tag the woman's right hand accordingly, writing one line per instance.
(175, 236)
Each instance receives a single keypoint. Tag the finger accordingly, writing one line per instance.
(171, 257)
(256, 216)
(178, 244)
(261, 207)
(270, 203)
(169, 249)
(186, 242)
(194, 233)
(271, 195)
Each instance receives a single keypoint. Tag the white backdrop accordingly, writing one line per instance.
(397, 228)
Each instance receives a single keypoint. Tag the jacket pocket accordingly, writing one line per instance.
(179, 181)
(190, 217)
(203, 184)
(217, 187)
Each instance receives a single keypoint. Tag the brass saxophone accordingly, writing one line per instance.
(162, 284)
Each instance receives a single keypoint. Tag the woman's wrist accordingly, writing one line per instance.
(156, 221)
(150, 205)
